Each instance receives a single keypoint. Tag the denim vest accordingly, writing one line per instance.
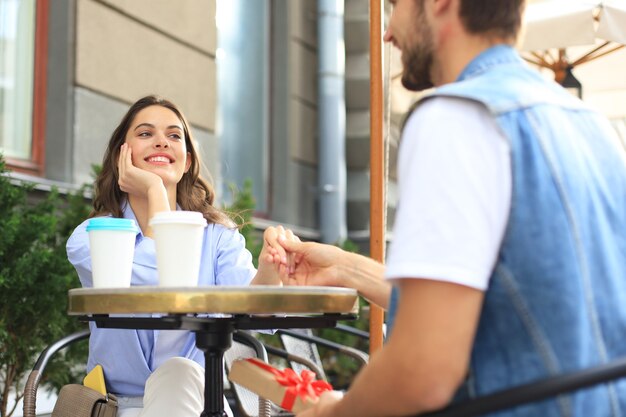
(556, 300)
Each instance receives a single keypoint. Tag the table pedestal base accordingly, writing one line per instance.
(214, 341)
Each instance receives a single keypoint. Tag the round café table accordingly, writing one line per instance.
(213, 313)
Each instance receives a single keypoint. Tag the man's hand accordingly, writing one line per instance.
(312, 263)
(325, 406)
(327, 265)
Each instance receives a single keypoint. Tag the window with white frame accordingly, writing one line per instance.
(17, 56)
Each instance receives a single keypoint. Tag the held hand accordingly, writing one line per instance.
(312, 263)
(133, 180)
(317, 264)
(274, 260)
(325, 407)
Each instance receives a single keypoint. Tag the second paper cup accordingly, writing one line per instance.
(178, 237)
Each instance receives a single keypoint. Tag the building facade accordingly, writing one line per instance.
(245, 72)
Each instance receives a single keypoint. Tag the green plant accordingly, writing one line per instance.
(241, 210)
(34, 279)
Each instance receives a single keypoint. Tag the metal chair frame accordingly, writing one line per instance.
(34, 378)
(509, 398)
(535, 391)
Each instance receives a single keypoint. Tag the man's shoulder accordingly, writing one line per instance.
(442, 112)
(435, 105)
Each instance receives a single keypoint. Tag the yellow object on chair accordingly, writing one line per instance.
(95, 380)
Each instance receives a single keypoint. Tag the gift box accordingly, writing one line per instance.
(292, 391)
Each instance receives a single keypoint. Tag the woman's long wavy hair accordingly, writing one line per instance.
(192, 192)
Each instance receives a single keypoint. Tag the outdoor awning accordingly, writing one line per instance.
(565, 23)
(553, 27)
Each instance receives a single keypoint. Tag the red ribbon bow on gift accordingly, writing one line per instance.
(304, 385)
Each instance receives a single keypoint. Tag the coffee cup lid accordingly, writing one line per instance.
(112, 223)
(178, 216)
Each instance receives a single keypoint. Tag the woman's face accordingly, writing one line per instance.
(157, 140)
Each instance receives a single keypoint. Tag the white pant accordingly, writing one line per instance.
(175, 389)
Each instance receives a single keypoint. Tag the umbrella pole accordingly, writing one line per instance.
(377, 152)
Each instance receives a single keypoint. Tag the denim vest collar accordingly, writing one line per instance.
(496, 55)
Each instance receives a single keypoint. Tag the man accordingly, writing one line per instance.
(508, 258)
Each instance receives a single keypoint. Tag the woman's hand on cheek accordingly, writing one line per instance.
(133, 180)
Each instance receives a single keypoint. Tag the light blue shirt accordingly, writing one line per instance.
(127, 356)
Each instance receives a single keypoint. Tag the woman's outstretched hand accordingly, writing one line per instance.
(274, 261)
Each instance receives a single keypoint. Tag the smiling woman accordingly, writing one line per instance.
(154, 156)
(145, 127)
(151, 166)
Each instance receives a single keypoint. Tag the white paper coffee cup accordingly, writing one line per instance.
(178, 237)
(112, 248)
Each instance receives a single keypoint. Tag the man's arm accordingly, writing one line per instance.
(425, 359)
(366, 276)
(327, 265)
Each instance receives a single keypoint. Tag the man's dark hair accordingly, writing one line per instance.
(501, 18)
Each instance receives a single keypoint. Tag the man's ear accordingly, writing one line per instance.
(188, 162)
(442, 6)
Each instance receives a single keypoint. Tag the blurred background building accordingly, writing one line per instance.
(245, 72)
(258, 80)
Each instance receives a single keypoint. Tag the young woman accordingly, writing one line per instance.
(150, 166)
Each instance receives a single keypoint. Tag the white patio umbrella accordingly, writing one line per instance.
(552, 26)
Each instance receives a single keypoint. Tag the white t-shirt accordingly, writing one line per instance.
(454, 173)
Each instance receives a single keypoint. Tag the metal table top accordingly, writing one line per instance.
(256, 299)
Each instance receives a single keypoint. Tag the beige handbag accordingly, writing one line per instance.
(80, 401)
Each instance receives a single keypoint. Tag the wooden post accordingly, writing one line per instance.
(377, 160)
